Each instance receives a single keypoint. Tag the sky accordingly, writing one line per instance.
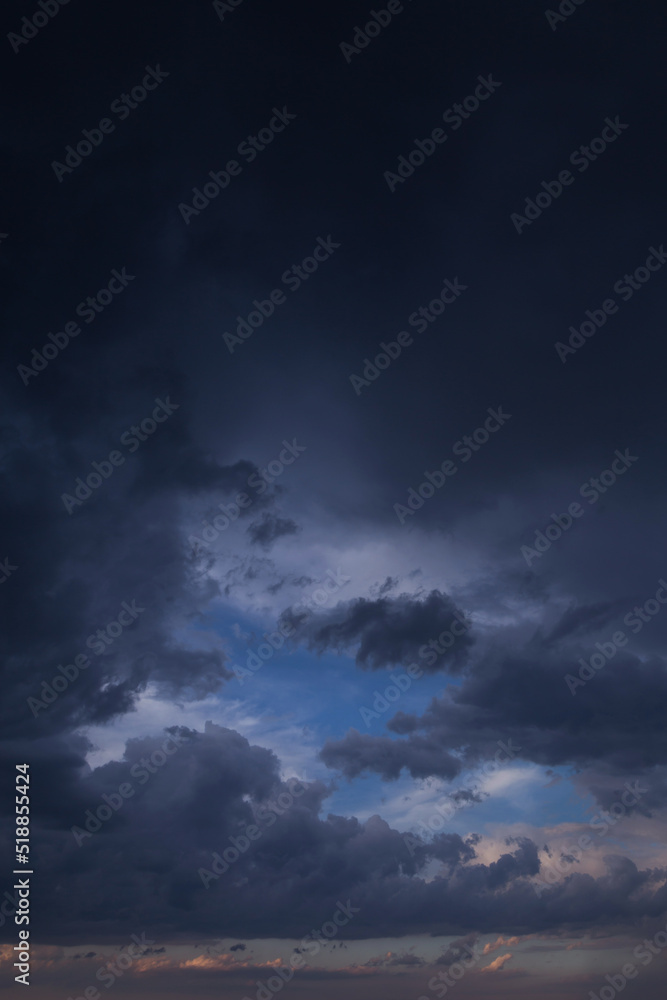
(334, 598)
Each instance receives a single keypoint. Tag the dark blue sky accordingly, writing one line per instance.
(333, 446)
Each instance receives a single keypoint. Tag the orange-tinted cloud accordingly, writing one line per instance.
(497, 963)
(500, 942)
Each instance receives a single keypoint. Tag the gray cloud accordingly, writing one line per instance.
(269, 528)
(293, 874)
(392, 630)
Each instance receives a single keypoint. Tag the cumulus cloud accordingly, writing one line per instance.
(209, 791)
(389, 631)
(611, 723)
(138, 536)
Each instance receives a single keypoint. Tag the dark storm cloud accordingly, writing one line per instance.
(359, 752)
(448, 848)
(611, 722)
(123, 542)
(128, 541)
(580, 621)
(269, 528)
(456, 950)
(59, 564)
(392, 630)
(128, 872)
